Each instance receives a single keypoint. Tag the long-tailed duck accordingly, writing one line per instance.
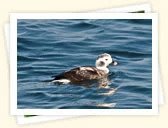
(86, 73)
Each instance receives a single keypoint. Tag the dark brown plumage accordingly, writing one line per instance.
(81, 74)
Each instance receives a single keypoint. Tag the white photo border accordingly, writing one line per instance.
(13, 63)
(146, 7)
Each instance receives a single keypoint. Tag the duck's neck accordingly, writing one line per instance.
(105, 69)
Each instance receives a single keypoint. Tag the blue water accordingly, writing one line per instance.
(49, 47)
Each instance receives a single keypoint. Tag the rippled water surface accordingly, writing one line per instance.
(49, 47)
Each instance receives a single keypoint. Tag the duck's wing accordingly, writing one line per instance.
(89, 73)
(80, 74)
(65, 74)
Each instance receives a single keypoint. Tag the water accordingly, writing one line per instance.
(49, 47)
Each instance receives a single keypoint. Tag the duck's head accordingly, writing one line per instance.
(103, 61)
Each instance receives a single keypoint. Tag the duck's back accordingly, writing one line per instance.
(81, 74)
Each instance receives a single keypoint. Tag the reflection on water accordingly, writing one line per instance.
(111, 91)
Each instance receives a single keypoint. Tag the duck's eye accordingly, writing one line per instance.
(106, 59)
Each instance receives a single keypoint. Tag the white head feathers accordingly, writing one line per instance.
(103, 61)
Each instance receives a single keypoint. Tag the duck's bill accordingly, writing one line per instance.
(114, 63)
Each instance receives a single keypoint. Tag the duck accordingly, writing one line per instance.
(87, 73)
